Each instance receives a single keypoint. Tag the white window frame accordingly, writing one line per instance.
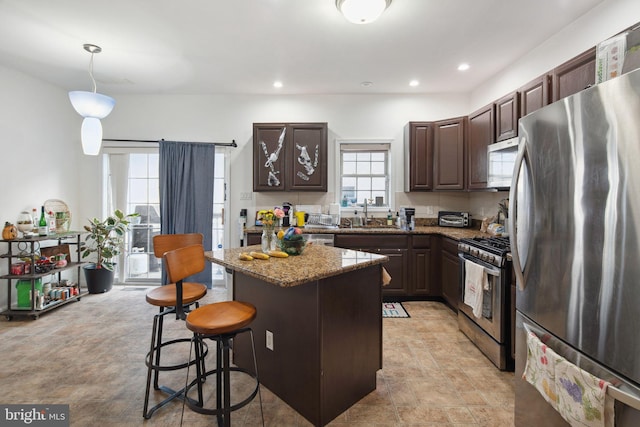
(365, 142)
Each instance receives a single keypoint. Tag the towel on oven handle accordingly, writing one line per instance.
(475, 280)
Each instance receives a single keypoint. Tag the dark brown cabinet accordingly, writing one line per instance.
(393, 246)
(290, 157)
(507, 115)
(574, 75)
(448, 149)
(481, 134)
(418, 141)
(422, 268)
(450, 272)
(534, 95)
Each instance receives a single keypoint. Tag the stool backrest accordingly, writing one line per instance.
(163, 243)
(184, 262)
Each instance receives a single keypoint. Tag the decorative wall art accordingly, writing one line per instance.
(290, 157)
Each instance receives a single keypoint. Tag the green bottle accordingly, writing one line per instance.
(42, 224)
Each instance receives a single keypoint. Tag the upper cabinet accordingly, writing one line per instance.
(507, 115)
(481, 134)
(574, 75)
(418, 151)
(290, 157)
(448, 153)
(534, 95)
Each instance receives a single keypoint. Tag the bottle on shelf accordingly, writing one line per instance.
(51, 219)
(36, 220)
(42, 224)
(389, 218)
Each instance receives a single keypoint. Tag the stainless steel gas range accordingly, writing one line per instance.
(491, 331)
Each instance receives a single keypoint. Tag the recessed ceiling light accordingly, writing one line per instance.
(414, 83)
(366, 84)
(277, 84)
(463, 67)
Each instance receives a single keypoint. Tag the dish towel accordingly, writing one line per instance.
(582, 397)
(474, 282)
(540, 369)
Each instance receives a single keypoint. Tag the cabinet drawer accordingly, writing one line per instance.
(450, 245)
(379, 241)
(421, 242)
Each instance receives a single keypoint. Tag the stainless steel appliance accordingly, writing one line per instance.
(453, 219)
(575, 240)
(490, 332)
(501, 158)
(407, 218)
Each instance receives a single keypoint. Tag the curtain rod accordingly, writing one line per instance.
(156, 141)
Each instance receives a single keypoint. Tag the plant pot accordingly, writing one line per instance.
(99, 280)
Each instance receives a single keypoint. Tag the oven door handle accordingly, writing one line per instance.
(490, 271)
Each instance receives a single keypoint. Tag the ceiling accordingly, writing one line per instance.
(243, 46)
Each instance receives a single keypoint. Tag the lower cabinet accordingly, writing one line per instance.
(393, 246)
(450, 272)
(423, 281)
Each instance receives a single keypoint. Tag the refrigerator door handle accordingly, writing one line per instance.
(513, 231)
(623, 397)
(630, 399)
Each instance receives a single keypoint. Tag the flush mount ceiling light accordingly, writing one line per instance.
(93, 107)
(362, 11)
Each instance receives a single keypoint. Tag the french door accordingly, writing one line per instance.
(131, 183)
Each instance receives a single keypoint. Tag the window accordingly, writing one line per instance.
(364, 173)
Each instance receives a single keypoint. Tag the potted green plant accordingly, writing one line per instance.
(105, 239)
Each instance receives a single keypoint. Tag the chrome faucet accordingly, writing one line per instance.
(365, 205)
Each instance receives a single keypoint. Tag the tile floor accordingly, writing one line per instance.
(90, 354)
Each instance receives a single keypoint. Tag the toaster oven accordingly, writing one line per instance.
(453, 219)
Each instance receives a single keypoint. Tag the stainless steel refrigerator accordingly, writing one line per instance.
(575, 241)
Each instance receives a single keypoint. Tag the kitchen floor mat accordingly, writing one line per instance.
(394, 309)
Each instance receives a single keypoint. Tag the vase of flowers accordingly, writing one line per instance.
(269, 219)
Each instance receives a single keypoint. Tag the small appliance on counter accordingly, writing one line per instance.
(288, 212)
(453, 219)
(407, 218)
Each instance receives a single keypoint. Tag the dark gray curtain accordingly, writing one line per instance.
(186, 193)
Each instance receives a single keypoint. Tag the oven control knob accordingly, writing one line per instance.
(490, 258)
(474, 252)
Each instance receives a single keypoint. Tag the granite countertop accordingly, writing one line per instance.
(316, 262)
(451, 232)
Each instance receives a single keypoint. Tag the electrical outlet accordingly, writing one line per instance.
(269, 340)
(245, 196)
(429, 210)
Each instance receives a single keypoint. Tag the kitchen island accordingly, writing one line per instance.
(323, 313)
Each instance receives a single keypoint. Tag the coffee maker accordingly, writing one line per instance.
(407, 218)
(286, 219)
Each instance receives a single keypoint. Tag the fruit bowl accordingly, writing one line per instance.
(294, 245)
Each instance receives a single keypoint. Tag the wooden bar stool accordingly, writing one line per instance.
(174, 298)
(220, 322)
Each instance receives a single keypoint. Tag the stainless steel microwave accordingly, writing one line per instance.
(501, 159)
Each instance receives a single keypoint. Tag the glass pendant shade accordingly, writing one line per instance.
(91, 104)
(362, 11)
(91, 136)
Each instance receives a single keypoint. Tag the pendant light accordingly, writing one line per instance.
(362, 11)
(93, 107)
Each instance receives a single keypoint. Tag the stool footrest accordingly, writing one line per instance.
(172, 367)
(196, 407)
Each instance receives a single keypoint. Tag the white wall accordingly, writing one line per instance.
(39, 134)
(602, 22)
